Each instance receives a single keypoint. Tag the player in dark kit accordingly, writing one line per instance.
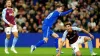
(71, 33)
(8, 17)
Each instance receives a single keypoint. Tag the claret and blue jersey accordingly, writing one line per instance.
(50, 20)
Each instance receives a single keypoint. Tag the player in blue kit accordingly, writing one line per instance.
(47, 25)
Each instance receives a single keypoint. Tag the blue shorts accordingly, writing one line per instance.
(47, 32)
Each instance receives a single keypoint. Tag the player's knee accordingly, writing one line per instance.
(16, 35)
(87, 39)
(46, 40)
(78, 53)
(8, 36)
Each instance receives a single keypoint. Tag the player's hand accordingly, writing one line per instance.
(91, 36)
(58, 54)
(73, 7)
(11, 25)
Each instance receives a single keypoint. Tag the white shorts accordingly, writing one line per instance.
(75, 46)
(8, 30)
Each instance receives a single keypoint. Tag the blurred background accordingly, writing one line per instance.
(31, 14)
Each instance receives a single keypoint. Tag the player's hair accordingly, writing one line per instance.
(8, 0)
(59, 5)
(68, 23)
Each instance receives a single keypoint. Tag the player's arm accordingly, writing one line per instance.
(83, 30)
(67, 12)
(87, 33)
(62, 42)
(4, 19)
(3, 16)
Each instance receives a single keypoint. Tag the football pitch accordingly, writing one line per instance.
(25, 51)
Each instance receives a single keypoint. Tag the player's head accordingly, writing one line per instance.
(59, 7)
(68, 26)
(8, 3)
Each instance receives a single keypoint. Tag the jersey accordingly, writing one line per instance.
(8, 16)
(50, 20)
(52, 17)
(71, 36)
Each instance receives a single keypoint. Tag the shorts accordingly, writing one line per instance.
(8, 30)
(75, 46)
(47, 31)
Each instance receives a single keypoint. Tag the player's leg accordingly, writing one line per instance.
(8, 32)
(73, 53)
(75, 49)
(41, 42)
(90, 45)
(15, 33)
(46, 34)
(56, 41)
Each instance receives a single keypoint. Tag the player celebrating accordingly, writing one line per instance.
(47, 25)
(74, 39)
(10, 26)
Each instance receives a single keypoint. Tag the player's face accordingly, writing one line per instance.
(68, 28)
(8, 3)
(61, 9)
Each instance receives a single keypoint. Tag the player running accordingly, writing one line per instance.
(71, 33)
(10, 26)
(47, 25)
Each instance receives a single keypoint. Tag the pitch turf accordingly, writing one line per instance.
(25, 51)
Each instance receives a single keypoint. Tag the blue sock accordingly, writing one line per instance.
(6, 42)
(90, 46)
(14, 41)
(56, 43)
(40, 43)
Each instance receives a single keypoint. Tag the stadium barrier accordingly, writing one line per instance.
(27, 39)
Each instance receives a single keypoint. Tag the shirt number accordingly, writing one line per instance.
(48, 17)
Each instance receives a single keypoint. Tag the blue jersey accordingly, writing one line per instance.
(52, 17)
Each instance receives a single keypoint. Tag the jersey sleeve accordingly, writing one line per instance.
(4, 16)
(76, 28)
(64, 36)
(65, 13)
(53, 14)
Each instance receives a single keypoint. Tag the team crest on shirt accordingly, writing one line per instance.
(7, 11)
(67, 35)
(11, 14)
(74, 32)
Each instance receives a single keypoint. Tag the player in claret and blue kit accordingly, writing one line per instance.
(8, 16)
(71, 33)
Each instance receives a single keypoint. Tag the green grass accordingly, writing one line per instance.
(25, 51)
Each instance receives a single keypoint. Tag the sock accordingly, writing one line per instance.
(73, 53)
(56, 43)
(6, 42)
(90, 46)
(40, 43)
(14, 41)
